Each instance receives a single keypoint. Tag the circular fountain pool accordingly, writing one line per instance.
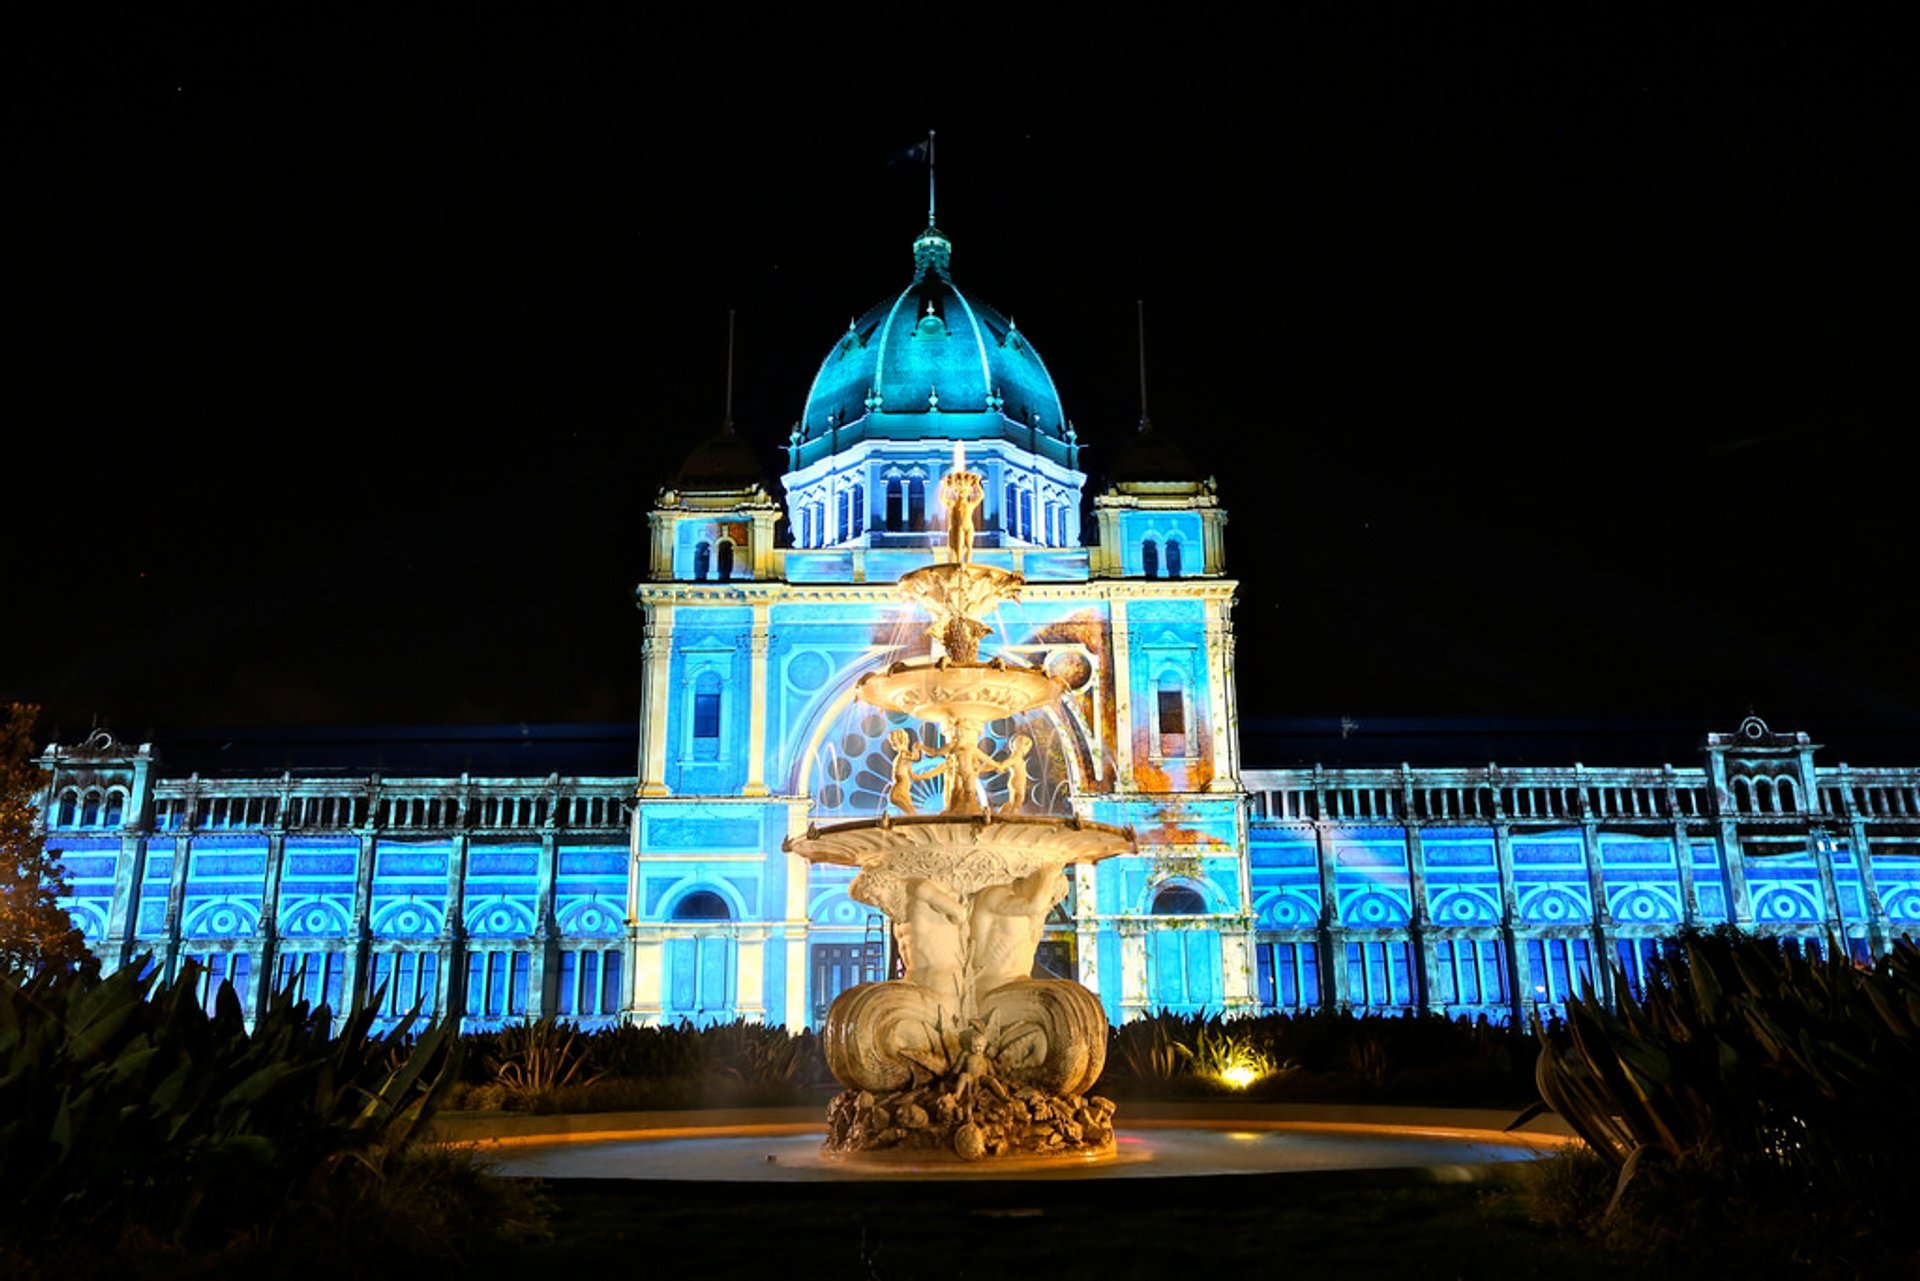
(789, 1153)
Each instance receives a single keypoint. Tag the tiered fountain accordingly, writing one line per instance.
(967, 1054)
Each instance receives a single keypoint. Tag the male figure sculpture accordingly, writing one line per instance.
(961, 493)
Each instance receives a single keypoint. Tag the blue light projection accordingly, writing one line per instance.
(664, 895)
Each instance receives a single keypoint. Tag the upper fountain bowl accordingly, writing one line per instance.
(948, 691)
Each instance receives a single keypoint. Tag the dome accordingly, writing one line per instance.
(932, 363)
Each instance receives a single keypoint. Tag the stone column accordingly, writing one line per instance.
(450, 1001)
(757, 707)
(267, 941)
(1518, 977)
(1739, 902)
(1122, 642)
(1419, 930)
(1597, 891)
(1333, 945)
(1226, 766)
(656, 659)
(1682, 853)
(542, 978)
(360, 949)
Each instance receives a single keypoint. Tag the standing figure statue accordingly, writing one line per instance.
(962, 765)
(962, 494)
(1014, 766)
(905, 752)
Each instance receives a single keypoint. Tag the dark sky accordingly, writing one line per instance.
(1547, 370)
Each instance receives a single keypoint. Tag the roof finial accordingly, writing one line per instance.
(929, 177)
(1140, 306)
(726, 424)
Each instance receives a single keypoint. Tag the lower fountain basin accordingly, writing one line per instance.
(791, 1153)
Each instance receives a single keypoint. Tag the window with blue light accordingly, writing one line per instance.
(217, 968)
(589, 985)
(896, 513)
(859, 509)
(843, 522)
(1558, 969)
(1380, 976)
(1637, 959)
(706, 716)
(497, 984)
(403, 981)
(1288, 975)
(917, 504)
(702, 554)
(1469, 971)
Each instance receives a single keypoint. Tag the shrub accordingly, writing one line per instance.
(1756, 1090)
(126, 1108)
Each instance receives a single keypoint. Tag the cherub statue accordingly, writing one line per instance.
(960, 491)
(905, 752)
(1014, 766)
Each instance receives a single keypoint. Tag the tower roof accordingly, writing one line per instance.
(721, 462)
(932, 362)
(1150, 456)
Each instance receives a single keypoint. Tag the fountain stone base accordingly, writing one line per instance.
(978, 1118)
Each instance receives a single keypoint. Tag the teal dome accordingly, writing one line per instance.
(932, 363)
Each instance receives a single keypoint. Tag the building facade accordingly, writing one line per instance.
(663, 894)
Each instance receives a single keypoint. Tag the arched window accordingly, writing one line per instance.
(701, 554)
(1178, 900)
(90, 811)
(843, 523)
(1789, 800)
(1173, 558)
(1026, 514)
(859, 509)
(803, 527)
(67, 805)
(896, 516)
(1170, 711)
(723, 568)
(706, 716)
(116, 802)
(1150, 558)
(1010, 510)
(917, 504)
(702, 905)
(1742, 796)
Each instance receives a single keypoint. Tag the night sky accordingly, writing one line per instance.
(1547, 371)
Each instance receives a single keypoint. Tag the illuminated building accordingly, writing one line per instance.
(660, 893)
